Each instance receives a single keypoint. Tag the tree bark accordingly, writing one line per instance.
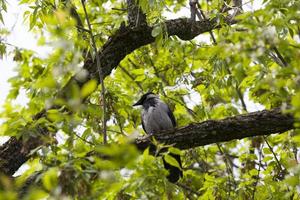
(264, 122)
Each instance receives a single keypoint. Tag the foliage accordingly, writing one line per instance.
(256, 59)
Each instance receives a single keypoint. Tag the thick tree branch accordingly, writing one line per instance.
(126, 41)
(212, 131)
(16, 152)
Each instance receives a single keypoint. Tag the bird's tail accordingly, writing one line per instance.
(174, 172)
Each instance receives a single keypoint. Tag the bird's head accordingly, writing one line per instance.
(144, 98)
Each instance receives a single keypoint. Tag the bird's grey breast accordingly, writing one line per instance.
(156, 118)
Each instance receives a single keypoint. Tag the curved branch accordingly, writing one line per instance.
(128, 39)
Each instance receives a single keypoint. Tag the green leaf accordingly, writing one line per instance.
(50, 179)
(292, 180)
(267, 150)
(174, 151)
(156, 31)
(140, 78)
(171, 160)
(88, 88)
(138, 71)
(54, 115)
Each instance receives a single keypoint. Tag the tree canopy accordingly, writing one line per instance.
(81, 138)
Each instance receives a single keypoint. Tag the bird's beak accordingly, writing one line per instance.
(137, 103)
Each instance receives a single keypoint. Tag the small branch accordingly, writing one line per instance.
(190, 111)
(101, 77)
(82, 29)
(193, 9)
(30, 182)
(271, 149)
(238, 91)
(120, 9)
(240, 95)
(283, 61)
(74, 14)
(84, 140)
(204, 17)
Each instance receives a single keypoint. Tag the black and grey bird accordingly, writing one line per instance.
(156, 117)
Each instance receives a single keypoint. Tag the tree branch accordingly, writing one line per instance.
(264, 122)
(16, 152)
(126, 41)
(99, 69)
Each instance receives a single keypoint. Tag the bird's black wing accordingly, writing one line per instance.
(170, 114)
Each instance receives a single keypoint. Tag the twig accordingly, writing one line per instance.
(120, 9)
(190, 111)
(240, 95)
(83, 139)
(238, 91)
(156, 72)
(82, 28)
(204, 17)
(271, 149)
(280, 57)
(9, 44)
(99, 71)
(193, 10)
(133, 64)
